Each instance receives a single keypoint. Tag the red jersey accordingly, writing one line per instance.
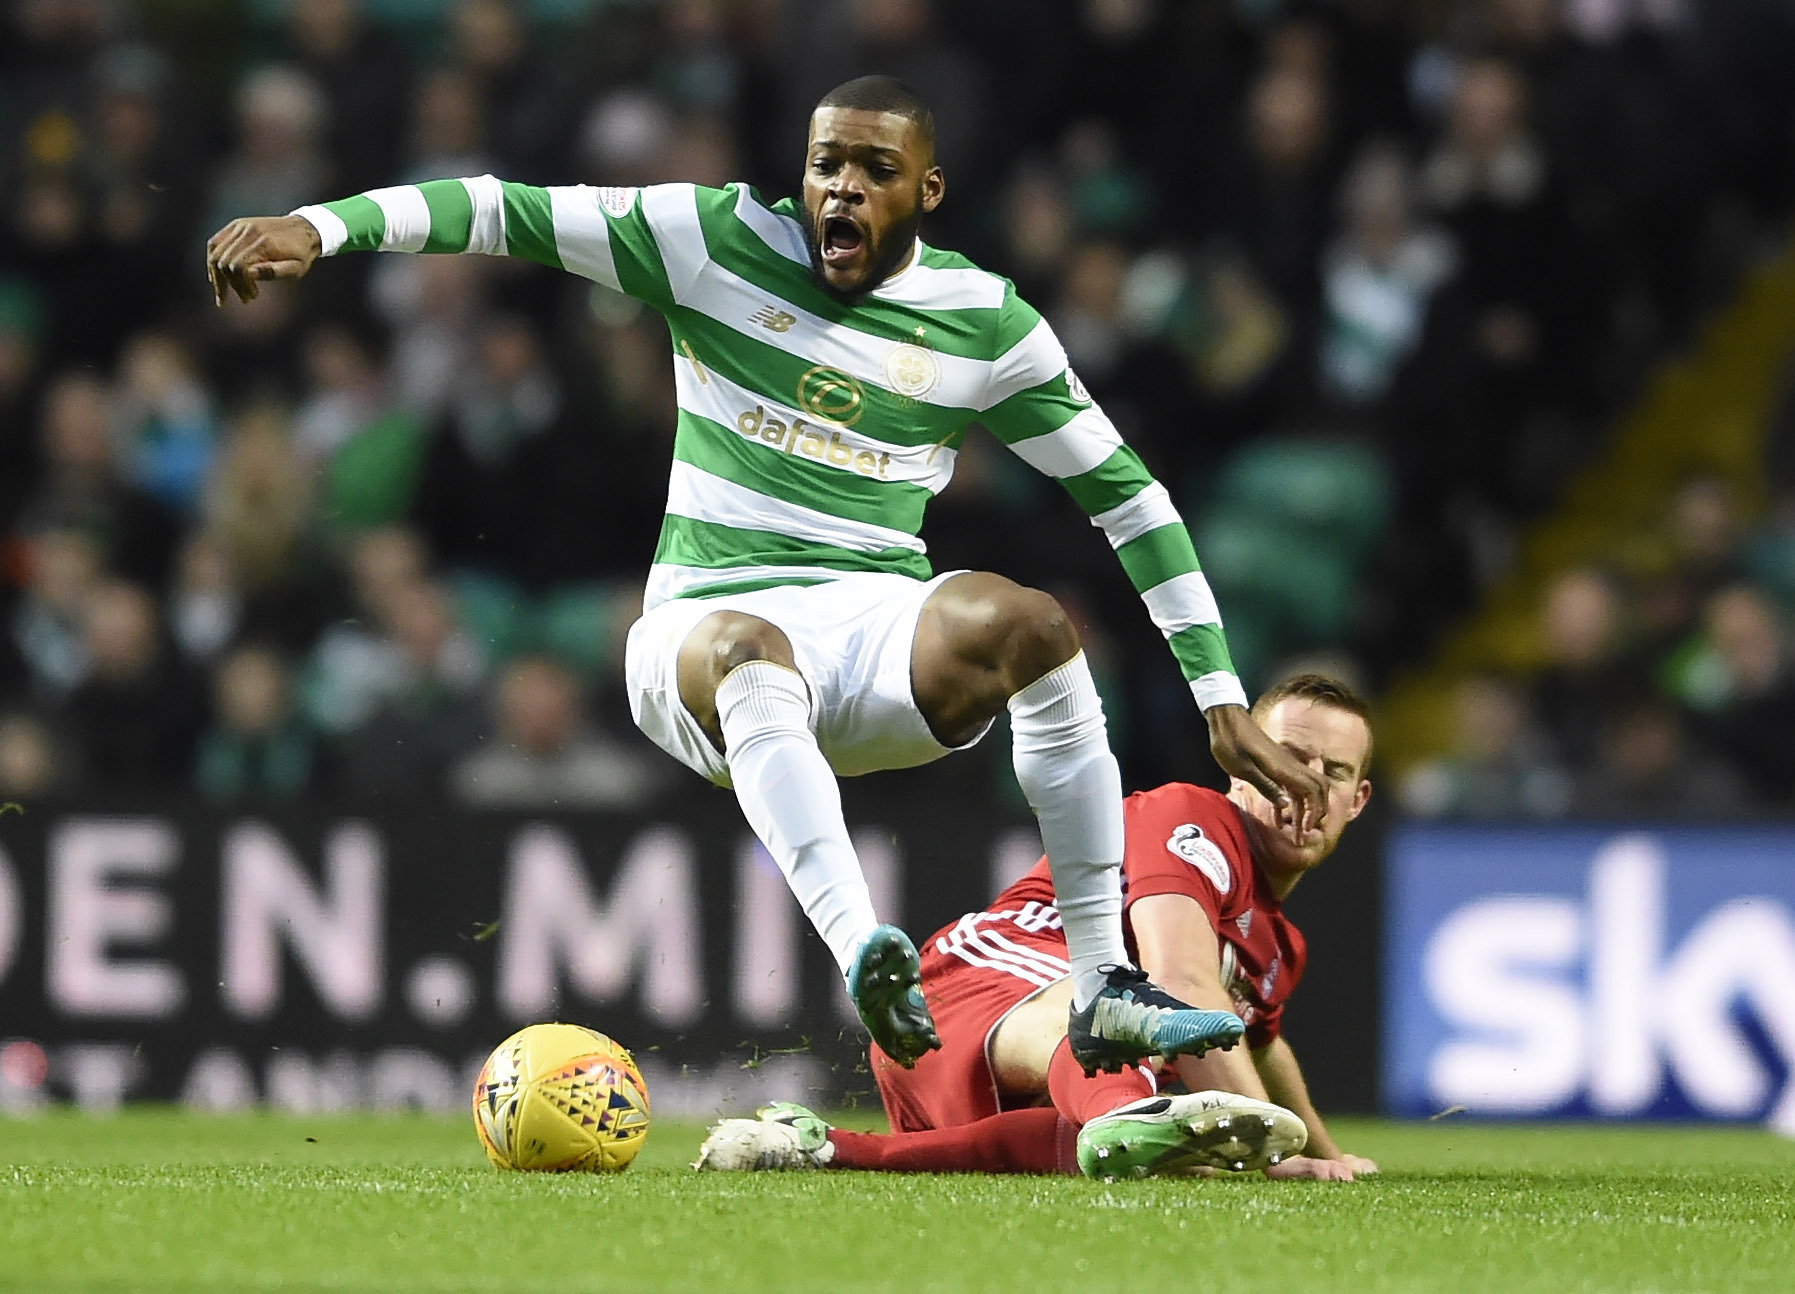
(976, 970)
(1189, 840)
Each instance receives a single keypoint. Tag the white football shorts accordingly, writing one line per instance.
(851, 638)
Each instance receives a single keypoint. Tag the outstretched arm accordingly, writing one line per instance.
(622, 238)
(1283, 1079)
(1038, 408)
(1179, 949)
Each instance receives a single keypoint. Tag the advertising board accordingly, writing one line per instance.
(311, 959)
(1591, 972)
(308, 960)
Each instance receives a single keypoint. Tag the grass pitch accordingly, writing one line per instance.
(162, 1200)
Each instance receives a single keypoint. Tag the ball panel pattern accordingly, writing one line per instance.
(561, 1098)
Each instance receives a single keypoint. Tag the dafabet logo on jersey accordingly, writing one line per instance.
(830, 395)
(798, 437)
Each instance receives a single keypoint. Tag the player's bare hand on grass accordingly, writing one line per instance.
(1301, 1168)
(245, 252)
(1243, 750)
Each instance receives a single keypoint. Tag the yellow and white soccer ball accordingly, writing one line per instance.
(561, 1098)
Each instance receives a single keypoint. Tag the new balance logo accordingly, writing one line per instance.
(773, 320)
(1244, 923)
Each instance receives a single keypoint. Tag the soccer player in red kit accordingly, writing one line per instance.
(1205, 875)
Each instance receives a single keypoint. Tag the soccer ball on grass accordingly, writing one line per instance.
(561, 1098)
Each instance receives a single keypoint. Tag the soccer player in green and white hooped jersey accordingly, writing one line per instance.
(829, 364)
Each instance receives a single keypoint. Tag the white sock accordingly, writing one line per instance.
(1073, 784)
(790, 797)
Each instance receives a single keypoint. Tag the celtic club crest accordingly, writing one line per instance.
(910, 370)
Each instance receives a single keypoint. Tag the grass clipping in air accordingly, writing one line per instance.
(166, 1200)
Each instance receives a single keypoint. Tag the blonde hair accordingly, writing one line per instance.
(1321, 690)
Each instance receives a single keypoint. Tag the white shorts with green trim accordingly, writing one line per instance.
(851, 637)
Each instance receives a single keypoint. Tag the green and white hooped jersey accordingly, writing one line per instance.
(813, 433)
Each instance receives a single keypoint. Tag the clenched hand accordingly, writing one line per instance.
(245, 252)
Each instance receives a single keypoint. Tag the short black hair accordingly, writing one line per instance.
(883, 94)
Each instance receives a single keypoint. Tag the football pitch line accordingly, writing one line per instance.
(164, 1200)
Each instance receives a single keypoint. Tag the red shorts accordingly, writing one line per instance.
(974, 973)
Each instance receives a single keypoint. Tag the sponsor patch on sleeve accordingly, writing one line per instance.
(1075, 388)
(1189, 843)
(617, 201)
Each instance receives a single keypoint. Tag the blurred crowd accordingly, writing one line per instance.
(1668, 689)
(1363, 280)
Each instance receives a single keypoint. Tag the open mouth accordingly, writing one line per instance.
(842, 240)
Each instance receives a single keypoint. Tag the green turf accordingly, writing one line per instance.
(163, 1200)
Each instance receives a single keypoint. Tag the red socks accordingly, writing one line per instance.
(1016, 1141)
(1080, 1099)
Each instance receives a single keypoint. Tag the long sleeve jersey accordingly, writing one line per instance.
(814, 431)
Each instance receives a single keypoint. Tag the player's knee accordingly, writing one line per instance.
(718, 645)
(981, 640)
(1005, 630)
(1039, 636)
(728, 639)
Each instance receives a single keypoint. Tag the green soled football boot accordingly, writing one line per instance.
(1161, 1136)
